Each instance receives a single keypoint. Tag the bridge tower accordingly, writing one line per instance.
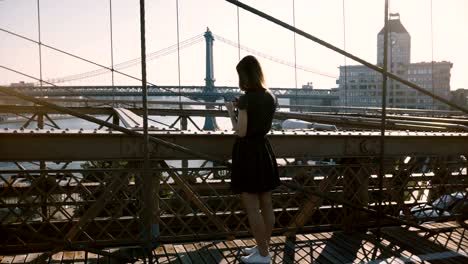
(210, 122)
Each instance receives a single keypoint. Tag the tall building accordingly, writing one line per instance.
(361, 86)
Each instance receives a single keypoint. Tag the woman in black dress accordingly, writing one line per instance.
(254, 170)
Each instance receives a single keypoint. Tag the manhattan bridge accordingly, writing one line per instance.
(359, 184)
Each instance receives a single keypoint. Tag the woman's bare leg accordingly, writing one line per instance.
(251, 204)
(266, 206)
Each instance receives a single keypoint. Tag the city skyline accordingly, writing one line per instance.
(83, 29)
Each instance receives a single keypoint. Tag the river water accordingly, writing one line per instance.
(73, 123)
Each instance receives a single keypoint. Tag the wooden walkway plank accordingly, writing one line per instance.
(68, 257)
(31, 257)
(91, 257)
(331, 245)
(203, 249)
(56, 258)
(228, 255)
(452, 240)
(20, 258)
(323, 255)
(304, 250)
(234, 249)
(445, 239)
(7, 259)
(160, 255)
(193, 253)
(79, 257)
(422, 247)
(239, 243)
(215, 254)
(277, 249)
(370, 246)
(171, 253)
(182, 254)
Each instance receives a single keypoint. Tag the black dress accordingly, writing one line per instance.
(254, 167)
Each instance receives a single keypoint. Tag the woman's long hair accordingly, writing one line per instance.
(250, 74)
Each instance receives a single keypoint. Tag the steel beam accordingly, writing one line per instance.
(63, 145)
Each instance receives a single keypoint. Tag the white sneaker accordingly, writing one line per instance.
(256, 258)
(249, 250)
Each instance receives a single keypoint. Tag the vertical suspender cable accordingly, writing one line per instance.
(147, 189)
(39, 38)
(238, 35)
(345, 65)
(383, 121)
(295, 55)
(112, 52)
(178, 52)
(432, 63)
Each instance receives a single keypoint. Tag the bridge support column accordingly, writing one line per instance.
(210, 122)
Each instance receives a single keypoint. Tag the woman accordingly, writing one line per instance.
(254, 170)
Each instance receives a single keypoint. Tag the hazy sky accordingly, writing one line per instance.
(83, 28)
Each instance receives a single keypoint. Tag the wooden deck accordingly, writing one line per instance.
(449, 244)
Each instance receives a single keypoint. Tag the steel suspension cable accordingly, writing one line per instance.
(345, 64)
(349, 55)
(294, 33)
(39, 40)
(74, 56)
(70, 54)
(383, 125)
(132, 62)
(238, 34)
(271, 58)
(178, 51)
(111, 52)
(147, 190)
(432, 62)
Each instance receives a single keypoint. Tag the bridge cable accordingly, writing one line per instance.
(238, 35)
(178, 51)
(126, 64)
(345, 65)
(76, 57)
(295, 55)
(432, 63)
(381, 173)
(271, 58)
(39, 40)
(112, 52)
(349, 55)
